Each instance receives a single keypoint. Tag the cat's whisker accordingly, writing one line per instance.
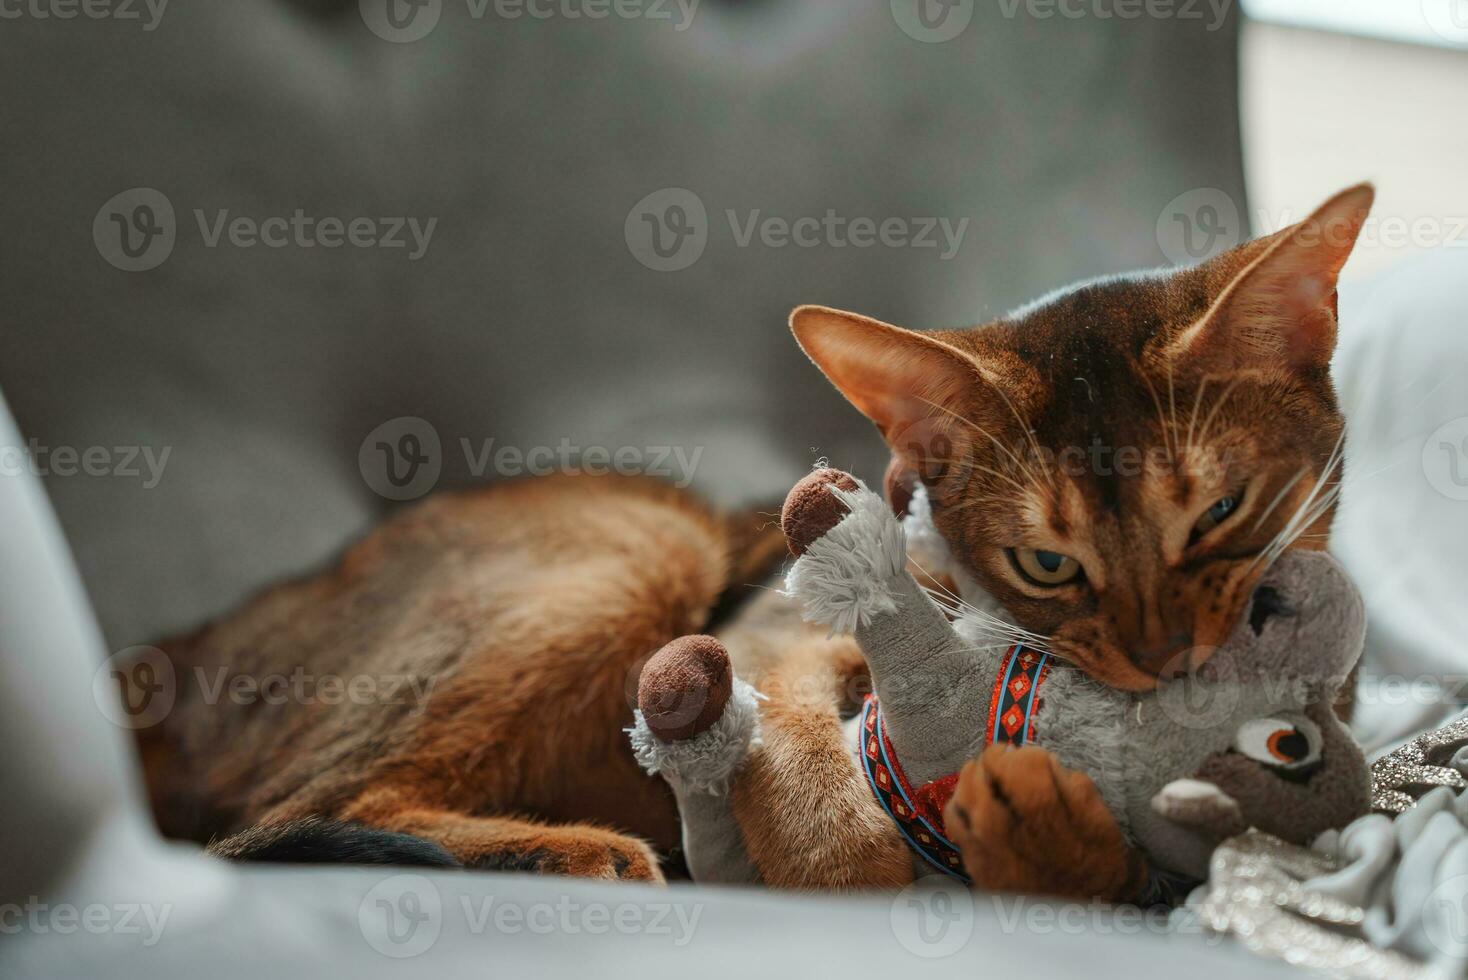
(1213, 414)
(957, 603)
(987, 435)
(1311, 509)
(1169, 433)
(1197, 404)
(1029, 434)
(1171, 403)
(1278, 497)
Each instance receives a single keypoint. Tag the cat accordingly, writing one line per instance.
(1111, 464)
(525, 609)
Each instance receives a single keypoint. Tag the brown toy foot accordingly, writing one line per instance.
(1025, 823)
(811, 509)
(684, 687)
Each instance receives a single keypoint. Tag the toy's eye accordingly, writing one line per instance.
(1287, 744)
(1045, 567)
(1215, 515)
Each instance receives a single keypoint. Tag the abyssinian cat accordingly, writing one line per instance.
(1113, 467)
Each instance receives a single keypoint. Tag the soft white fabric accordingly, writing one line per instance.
(1402, 369)
(854, 571)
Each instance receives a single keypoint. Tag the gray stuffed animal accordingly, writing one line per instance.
(1249, 739)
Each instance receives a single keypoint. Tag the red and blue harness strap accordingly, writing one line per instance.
(919, 813)
(1015, 697)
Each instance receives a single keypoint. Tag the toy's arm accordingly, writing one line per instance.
(852, 575)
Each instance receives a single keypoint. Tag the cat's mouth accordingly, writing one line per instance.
(1268, 605)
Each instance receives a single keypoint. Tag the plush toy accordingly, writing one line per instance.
(1249, 739)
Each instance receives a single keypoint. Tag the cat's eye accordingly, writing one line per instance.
(1215, 515)
(1045, 567)
(1286, 744)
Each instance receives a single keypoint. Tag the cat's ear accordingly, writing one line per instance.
(1280, 309)
(895, 377)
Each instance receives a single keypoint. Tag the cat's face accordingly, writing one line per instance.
(1119, 464)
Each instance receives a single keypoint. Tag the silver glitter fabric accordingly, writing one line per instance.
(1256, 892)
(1399, 778)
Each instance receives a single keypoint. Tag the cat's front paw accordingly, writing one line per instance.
(1026, 823)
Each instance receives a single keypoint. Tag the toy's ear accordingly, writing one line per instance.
(1324, 619)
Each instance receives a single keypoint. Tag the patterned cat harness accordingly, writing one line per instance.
(918, 813)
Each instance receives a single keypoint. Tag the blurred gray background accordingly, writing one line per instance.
(530, 319)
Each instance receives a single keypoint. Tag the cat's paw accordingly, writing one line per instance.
(594, 853)
(811, 509)
(1025, 823)
(578, 851)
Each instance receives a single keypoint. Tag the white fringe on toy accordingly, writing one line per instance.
(852, 572)
(707, 762)
(924, 544)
